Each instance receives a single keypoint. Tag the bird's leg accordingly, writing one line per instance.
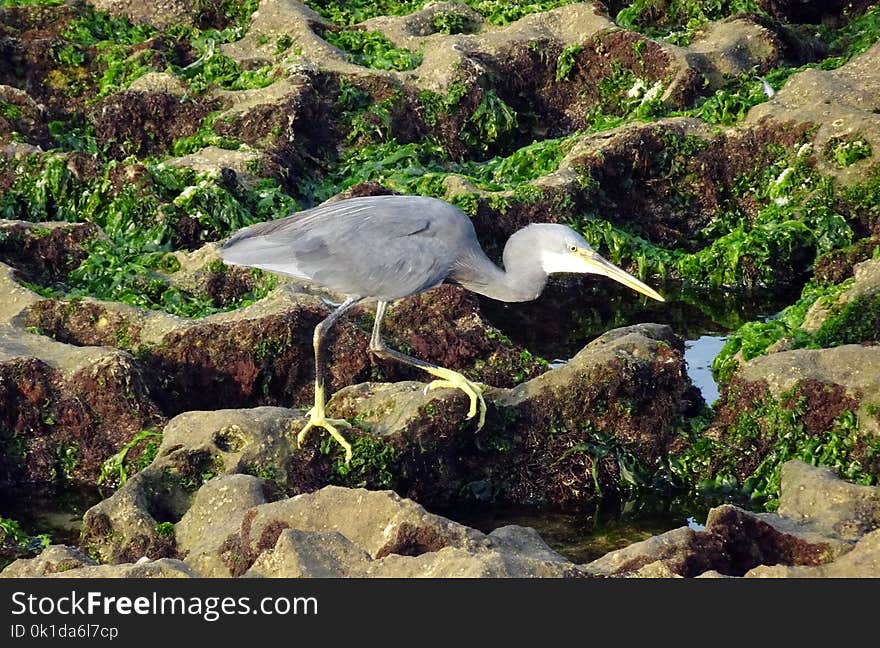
(446, 377)
(317, 417)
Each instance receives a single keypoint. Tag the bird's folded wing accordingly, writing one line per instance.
(363, 250)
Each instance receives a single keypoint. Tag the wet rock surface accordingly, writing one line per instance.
(825, 527)
(820, 521)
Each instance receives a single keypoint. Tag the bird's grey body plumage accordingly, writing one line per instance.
(383, 247)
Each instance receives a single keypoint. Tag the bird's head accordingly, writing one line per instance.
(561, 249)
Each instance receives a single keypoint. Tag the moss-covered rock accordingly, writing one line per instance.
(65, 410)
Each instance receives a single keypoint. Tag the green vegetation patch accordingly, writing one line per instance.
(496, 12)
(452, 23)
(32, 3)
(374, 463)
(140, 208)
(770, 225)
(116, 469)
(566, 61)
(493, 123)
(422, 168)
(853, 322)
(731, 103)
(854, 38)
(372, 49)
(744, 464)
(14, 539)
(846, 151)
(214, 68)
(676, 20)
(205, 136)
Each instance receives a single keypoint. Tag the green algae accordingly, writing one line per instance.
(372, 49)
(743, 465)
(495, 12)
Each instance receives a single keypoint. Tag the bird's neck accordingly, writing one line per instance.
(522, 279)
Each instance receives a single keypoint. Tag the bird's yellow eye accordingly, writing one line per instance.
(572, 248)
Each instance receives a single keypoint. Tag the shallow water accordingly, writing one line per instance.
(54, 510)
(584, 536)
(698, 355)
(573, 312)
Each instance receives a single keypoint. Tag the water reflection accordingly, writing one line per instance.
(584, 536)
(573, 310)
(56, 511)
(699, 354)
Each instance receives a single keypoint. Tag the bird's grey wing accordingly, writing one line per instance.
(378, 249)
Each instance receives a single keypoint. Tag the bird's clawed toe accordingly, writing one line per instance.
(454, 380)
(319, 420)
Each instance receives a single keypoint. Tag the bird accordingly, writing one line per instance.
(388, 247)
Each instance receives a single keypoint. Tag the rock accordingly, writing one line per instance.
(214, 160)
(45, 252)
(421, 444)
(843, 103)
(657, 569)
(132, 122)
(310, 554)
(381, 522)
(339, 532)
(862, 562)
(60, 561)
(162, 13)
(54, 559)
(126, 526)
(815, 497)
(850, 370)
(333, 532)
(217, 511)
(524, 541)
(451, 562)
(818, 404)
(262, 354)
(821, 523)
(67, 409)
(866, 286)
(431, 436)
(163, 82)
(421, 23)
(728, 48)
(733, 542)
(162, 568)
(23, 118)
(275, 18)
(647, 552)
(195, 447)
(16, 297)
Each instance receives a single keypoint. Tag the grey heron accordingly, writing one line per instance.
(385, 248)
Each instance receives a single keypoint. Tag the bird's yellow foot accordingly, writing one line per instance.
(454, 380)
(317, 419)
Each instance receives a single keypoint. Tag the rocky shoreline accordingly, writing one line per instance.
(734, 155)
(825, 527)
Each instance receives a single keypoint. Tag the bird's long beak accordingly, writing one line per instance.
(597, 265)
